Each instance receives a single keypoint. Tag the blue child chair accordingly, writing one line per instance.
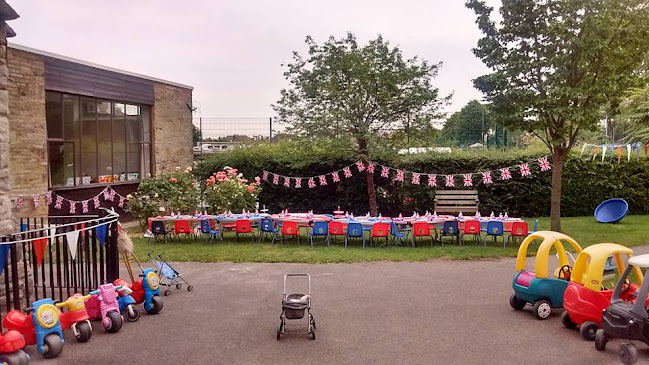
(495, 229)
(354, 230)
(450, 228)
(320, 229)
(206, 229)
(398, 235)
(267, 227)
(159, 230)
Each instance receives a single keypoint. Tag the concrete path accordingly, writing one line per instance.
(436, 312)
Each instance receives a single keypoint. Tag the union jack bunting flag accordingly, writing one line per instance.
(347, 171)
(486, 177)
(400, 175)
(370, 167)
(415, 178)
(265, 176)
(545, 165)
(360, 166)
(432, 180)
(468, 180)
(385, 171)
(311, 183)
(335, 176)
(450, 181)
(287, 182)
(298, 182)
(505, 174)
(275, 179)
(323, 180)
(525, 169)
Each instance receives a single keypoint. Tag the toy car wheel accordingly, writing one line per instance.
(516, 303)
(600, 340)
(628, 353)
(588, 330)
(115, 320)
(178, 286)
(84, 332)
(53, 346)
(542, 309)
(156, 305)
(132, 313)
(16, 358)
(567, 322)
(190, 288)
(167, 292)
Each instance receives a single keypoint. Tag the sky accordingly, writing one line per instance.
(231, 52)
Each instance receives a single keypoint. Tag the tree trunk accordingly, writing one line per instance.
(555, 199)
(371, 190)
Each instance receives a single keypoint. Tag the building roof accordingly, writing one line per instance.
(90, 64)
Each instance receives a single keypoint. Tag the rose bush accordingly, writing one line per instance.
(228, 190)
(165, 193)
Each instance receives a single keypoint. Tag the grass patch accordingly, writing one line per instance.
(632, 231)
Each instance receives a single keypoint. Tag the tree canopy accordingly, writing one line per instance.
(556, 64)
(469, 125)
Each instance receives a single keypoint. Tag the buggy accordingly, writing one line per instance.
(168, 275)
(295, 306)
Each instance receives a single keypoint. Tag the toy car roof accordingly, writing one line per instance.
(640, 260)
(605, 249)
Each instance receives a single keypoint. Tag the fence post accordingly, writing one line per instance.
(270, 123)
(200, 140)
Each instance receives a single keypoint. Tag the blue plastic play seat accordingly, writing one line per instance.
(612, 210)
(450, 228)
(354, 230)
(398, 235)
(267, 227)
(495, 229)
(206, 229)
(320, 229)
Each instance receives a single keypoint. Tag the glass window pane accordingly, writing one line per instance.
(146, 123)
(105, 141)
(53, 114)
(71, 126)
(146, 160)
(60, 156)
(132, 110)
(119, 144)
(88, 142)
(133, 143)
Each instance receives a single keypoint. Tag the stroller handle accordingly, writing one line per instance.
(297, 275)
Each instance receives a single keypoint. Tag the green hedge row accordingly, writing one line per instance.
(585, 183)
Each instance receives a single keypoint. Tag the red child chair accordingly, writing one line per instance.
(243, 226)
(291, 229)
(380, 229)
(335, 229)
(519, 229)
(472, 228)
(422, 229)
(182, 227)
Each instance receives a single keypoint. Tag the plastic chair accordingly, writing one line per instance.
(291, 229)
(266, 227)
(319, 229)
(354, 230)
(397, 234)
(380, 230)
(243, 226)
(182, 227)
(450, 228)
(422, 229)
(335, 229)
(158, 229)
(206, 229)
(519, 229)
(473, 228)
(495, 229)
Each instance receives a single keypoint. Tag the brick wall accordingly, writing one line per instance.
(27, 129)
(172, 128)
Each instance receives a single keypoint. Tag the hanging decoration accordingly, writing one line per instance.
(108, 194)
(59, 202)
(400, 175)
(39, 249)
(48, 198)
(121, 202)
(101, 234)
(72, 238)
(610, 148)
(73, 207)
(4, 255)
(95, 201)
(36, 199)
(19, 202)
(265, 176)
(84, 206)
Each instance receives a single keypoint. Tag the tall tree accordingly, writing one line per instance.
(556, 64)
(197, 135)
(359, 93)
(469, 125)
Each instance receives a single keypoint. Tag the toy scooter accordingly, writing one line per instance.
(42, 328)
(127, 304)
(11, 345)
(146, 290)
(103, 304)
(76, 317)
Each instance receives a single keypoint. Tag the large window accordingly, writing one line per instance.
(94, 141)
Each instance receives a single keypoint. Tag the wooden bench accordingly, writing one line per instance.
(455, 201)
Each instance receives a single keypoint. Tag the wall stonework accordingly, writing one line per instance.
(172, 128)
(27, 130)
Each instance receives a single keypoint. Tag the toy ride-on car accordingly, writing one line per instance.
(536, 287)
(587, 295)
(626, 319)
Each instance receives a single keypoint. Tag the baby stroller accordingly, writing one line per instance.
(294, 306)
(168, 275)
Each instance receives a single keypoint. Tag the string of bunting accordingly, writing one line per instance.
(415, 178)
(609, 150)
(51, 197)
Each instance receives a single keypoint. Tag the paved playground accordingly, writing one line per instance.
(436, 312)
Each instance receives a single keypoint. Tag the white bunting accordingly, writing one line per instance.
(73, 238)
(628, 150)
(51, 230)
(604, 152)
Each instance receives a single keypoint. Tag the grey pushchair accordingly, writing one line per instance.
(295, 306)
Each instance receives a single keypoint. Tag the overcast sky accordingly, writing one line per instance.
(231, 51)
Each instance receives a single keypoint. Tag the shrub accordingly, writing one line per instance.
(227, 190)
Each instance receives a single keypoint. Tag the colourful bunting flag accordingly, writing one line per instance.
(72, 238)
(415, 178)
(486, 177)
(335, 176)
(360, 166)
(505, 174)
(101, 234)
(48, 198)
(298, 182)
(73, 207)
(121, 202)
(323, 180)
(84, 206)
(450, 181)
(545, 165)
(370, 168)
(385, 171)
(59, 202)
(468, 180)
(106, 193)
(400, 175)
(20, 200)
(95, 201)
(265, 176)
(39, 245)
(36, 199)
(311, 183)
(432, 180)
(525, 169)
(347, 171)
(287, 182)
(275, 179)
(4, 255)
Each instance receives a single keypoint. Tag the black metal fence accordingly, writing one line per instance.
(58, 276)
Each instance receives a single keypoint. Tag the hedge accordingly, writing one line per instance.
(586, 183)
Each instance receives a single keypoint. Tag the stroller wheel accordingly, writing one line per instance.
(279, 333)
(190, 288)
(313, 335)
(167, 292)
(178, 286)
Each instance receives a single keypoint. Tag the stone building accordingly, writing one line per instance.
(77, 127)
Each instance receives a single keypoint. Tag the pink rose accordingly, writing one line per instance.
(173, 180)
(244, 181)
(257, 179)
(226, 179)
(251, 189)
(232, 172)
